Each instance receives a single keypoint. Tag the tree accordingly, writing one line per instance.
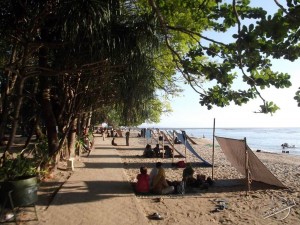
(84, 56)
(249, 50)
(121, 59)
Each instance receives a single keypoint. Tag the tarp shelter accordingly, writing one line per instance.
(184, 141)
(171, 143)
(236, 150)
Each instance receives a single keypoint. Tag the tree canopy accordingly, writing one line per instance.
(252, 38)
(62, 60)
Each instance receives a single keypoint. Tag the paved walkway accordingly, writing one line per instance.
(97, 193)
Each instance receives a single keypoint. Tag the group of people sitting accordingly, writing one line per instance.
(157, 183)
(156, 152)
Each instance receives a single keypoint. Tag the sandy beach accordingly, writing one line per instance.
(199, 206)
(264, 204)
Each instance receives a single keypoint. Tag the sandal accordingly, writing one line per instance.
(155, 216)
(222, 206)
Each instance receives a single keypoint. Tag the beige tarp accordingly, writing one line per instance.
(235, 152)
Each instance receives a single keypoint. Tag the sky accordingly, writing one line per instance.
(188, 113)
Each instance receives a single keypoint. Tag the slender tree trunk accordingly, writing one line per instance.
(72, 138)
(47, 110)
(4, 117)
(38, 130)
(18, 105)
(88, 121)
(35, 129)
(8, 88)
(50, 123)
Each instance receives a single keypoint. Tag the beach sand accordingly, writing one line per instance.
(199, 207)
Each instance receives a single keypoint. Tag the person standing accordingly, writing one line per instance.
(127, 134)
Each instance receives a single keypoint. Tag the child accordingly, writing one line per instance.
(143, 181)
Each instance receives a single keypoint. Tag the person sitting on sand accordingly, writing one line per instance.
(148, 152)
(168, 151)
(157, 151)
(159, 183)
(188, 176)
(113, 142)
(176, 141)
(143, 181)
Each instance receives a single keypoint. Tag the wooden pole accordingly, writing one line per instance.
(247, 167)
(213, 151)
(184, 137)
(163, 144)
(173, 148)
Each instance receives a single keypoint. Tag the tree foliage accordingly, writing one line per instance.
(251, 38)
(62, 60)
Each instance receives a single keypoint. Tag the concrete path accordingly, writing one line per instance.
(97, 193)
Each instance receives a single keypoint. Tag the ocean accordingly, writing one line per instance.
(265, 139)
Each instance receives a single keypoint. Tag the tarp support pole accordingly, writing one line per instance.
(213, 153)
(173, 148)
(247, 167)
(163, 144)
(184, 137)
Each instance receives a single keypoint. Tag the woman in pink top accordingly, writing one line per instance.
(143, 181)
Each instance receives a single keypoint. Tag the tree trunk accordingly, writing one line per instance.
(38, 130)
(4, 117)
(47, 110)
(6, 92)
(18, 105)
(50, 122)
(72, 138)
(88, 122)
(35, 129)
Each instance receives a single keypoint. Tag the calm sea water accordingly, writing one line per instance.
(265, 139)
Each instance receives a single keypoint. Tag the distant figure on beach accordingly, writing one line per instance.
(127, 134)
(168, 151)
(148, 152)
(157, 151)
(143, 132)
(176, 141)
(158, 181)
(143, 181)
(113, 142)
(104, 132)
(284, 145)
(188, 176)
(112, 132)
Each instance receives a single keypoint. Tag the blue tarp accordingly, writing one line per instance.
(190, 148)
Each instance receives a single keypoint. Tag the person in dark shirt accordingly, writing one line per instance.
(157, 151)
